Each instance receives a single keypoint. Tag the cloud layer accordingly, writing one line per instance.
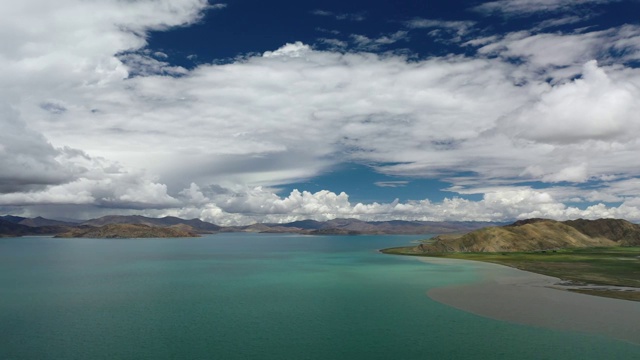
(93, 118)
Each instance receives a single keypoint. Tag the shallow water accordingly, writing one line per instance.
(252, 296)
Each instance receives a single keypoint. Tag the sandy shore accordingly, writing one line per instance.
(526, 298)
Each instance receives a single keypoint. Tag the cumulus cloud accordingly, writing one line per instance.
(262, 205)
(89, 181)
(28, 161)
(594, 107)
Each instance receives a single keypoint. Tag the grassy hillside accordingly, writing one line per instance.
(538, 234)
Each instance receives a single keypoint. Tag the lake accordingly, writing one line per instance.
(252, 296)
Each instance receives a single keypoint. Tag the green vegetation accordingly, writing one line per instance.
(624, 295)
(616, 266)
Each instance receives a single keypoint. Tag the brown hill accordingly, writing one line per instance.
(620, 231)
(538, 234)
(197, 224)
(128, 231)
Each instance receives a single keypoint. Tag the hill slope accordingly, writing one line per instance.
(538, 234)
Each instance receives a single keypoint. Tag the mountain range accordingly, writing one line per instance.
(20, 226)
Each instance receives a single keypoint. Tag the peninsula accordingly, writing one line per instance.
(597, 257)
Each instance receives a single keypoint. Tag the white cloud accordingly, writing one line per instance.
(366, 43)
(391, 184)
(460, 28)
(218, 6)
(334, 43)
(261, 205)
(528, 7)
(594, 107)
(561, 21)
(562, 55)
(340, 16)
(163, 138)
(95, 182)
(27, 159)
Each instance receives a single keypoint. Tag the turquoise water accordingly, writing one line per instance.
(251, 296)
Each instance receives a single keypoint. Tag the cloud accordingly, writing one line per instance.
(28, 161)
(460, 28)
(83, 181)
(391, 184)
(340, 16)
(562, 21)
(365, 43)
(261, 205)
(334, 43)
(230, 124)
(98, 120)
(218, 6)
(594, 107)
(140, 64)
(528, 7)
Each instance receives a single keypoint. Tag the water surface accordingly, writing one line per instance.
(252, 296)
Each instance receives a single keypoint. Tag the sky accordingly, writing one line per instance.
(244, 111)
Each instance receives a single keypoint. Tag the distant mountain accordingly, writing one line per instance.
(128, 231)
(354, 226)
(41, 225)
(197, 224)
(538, 234)
(302, 224)
(13, 219)
(40, 221)
(12, 229)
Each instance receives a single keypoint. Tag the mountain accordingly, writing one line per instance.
(40, 221)
(620, 231)
(13, 219)
(127, 231)
(302, 224)
(538, 234)
(12, 229)
(41, 225)
(354, 226)
(196, 224)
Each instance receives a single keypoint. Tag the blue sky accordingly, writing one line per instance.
(248, 111)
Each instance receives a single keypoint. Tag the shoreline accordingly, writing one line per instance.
(517, 296)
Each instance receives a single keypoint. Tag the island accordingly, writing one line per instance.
(129, 231)
(597, 257)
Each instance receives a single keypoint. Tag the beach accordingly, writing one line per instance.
(522, 297)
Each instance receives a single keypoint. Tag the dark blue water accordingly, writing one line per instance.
(251, 296)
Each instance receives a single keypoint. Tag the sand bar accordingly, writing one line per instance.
(522, 297)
